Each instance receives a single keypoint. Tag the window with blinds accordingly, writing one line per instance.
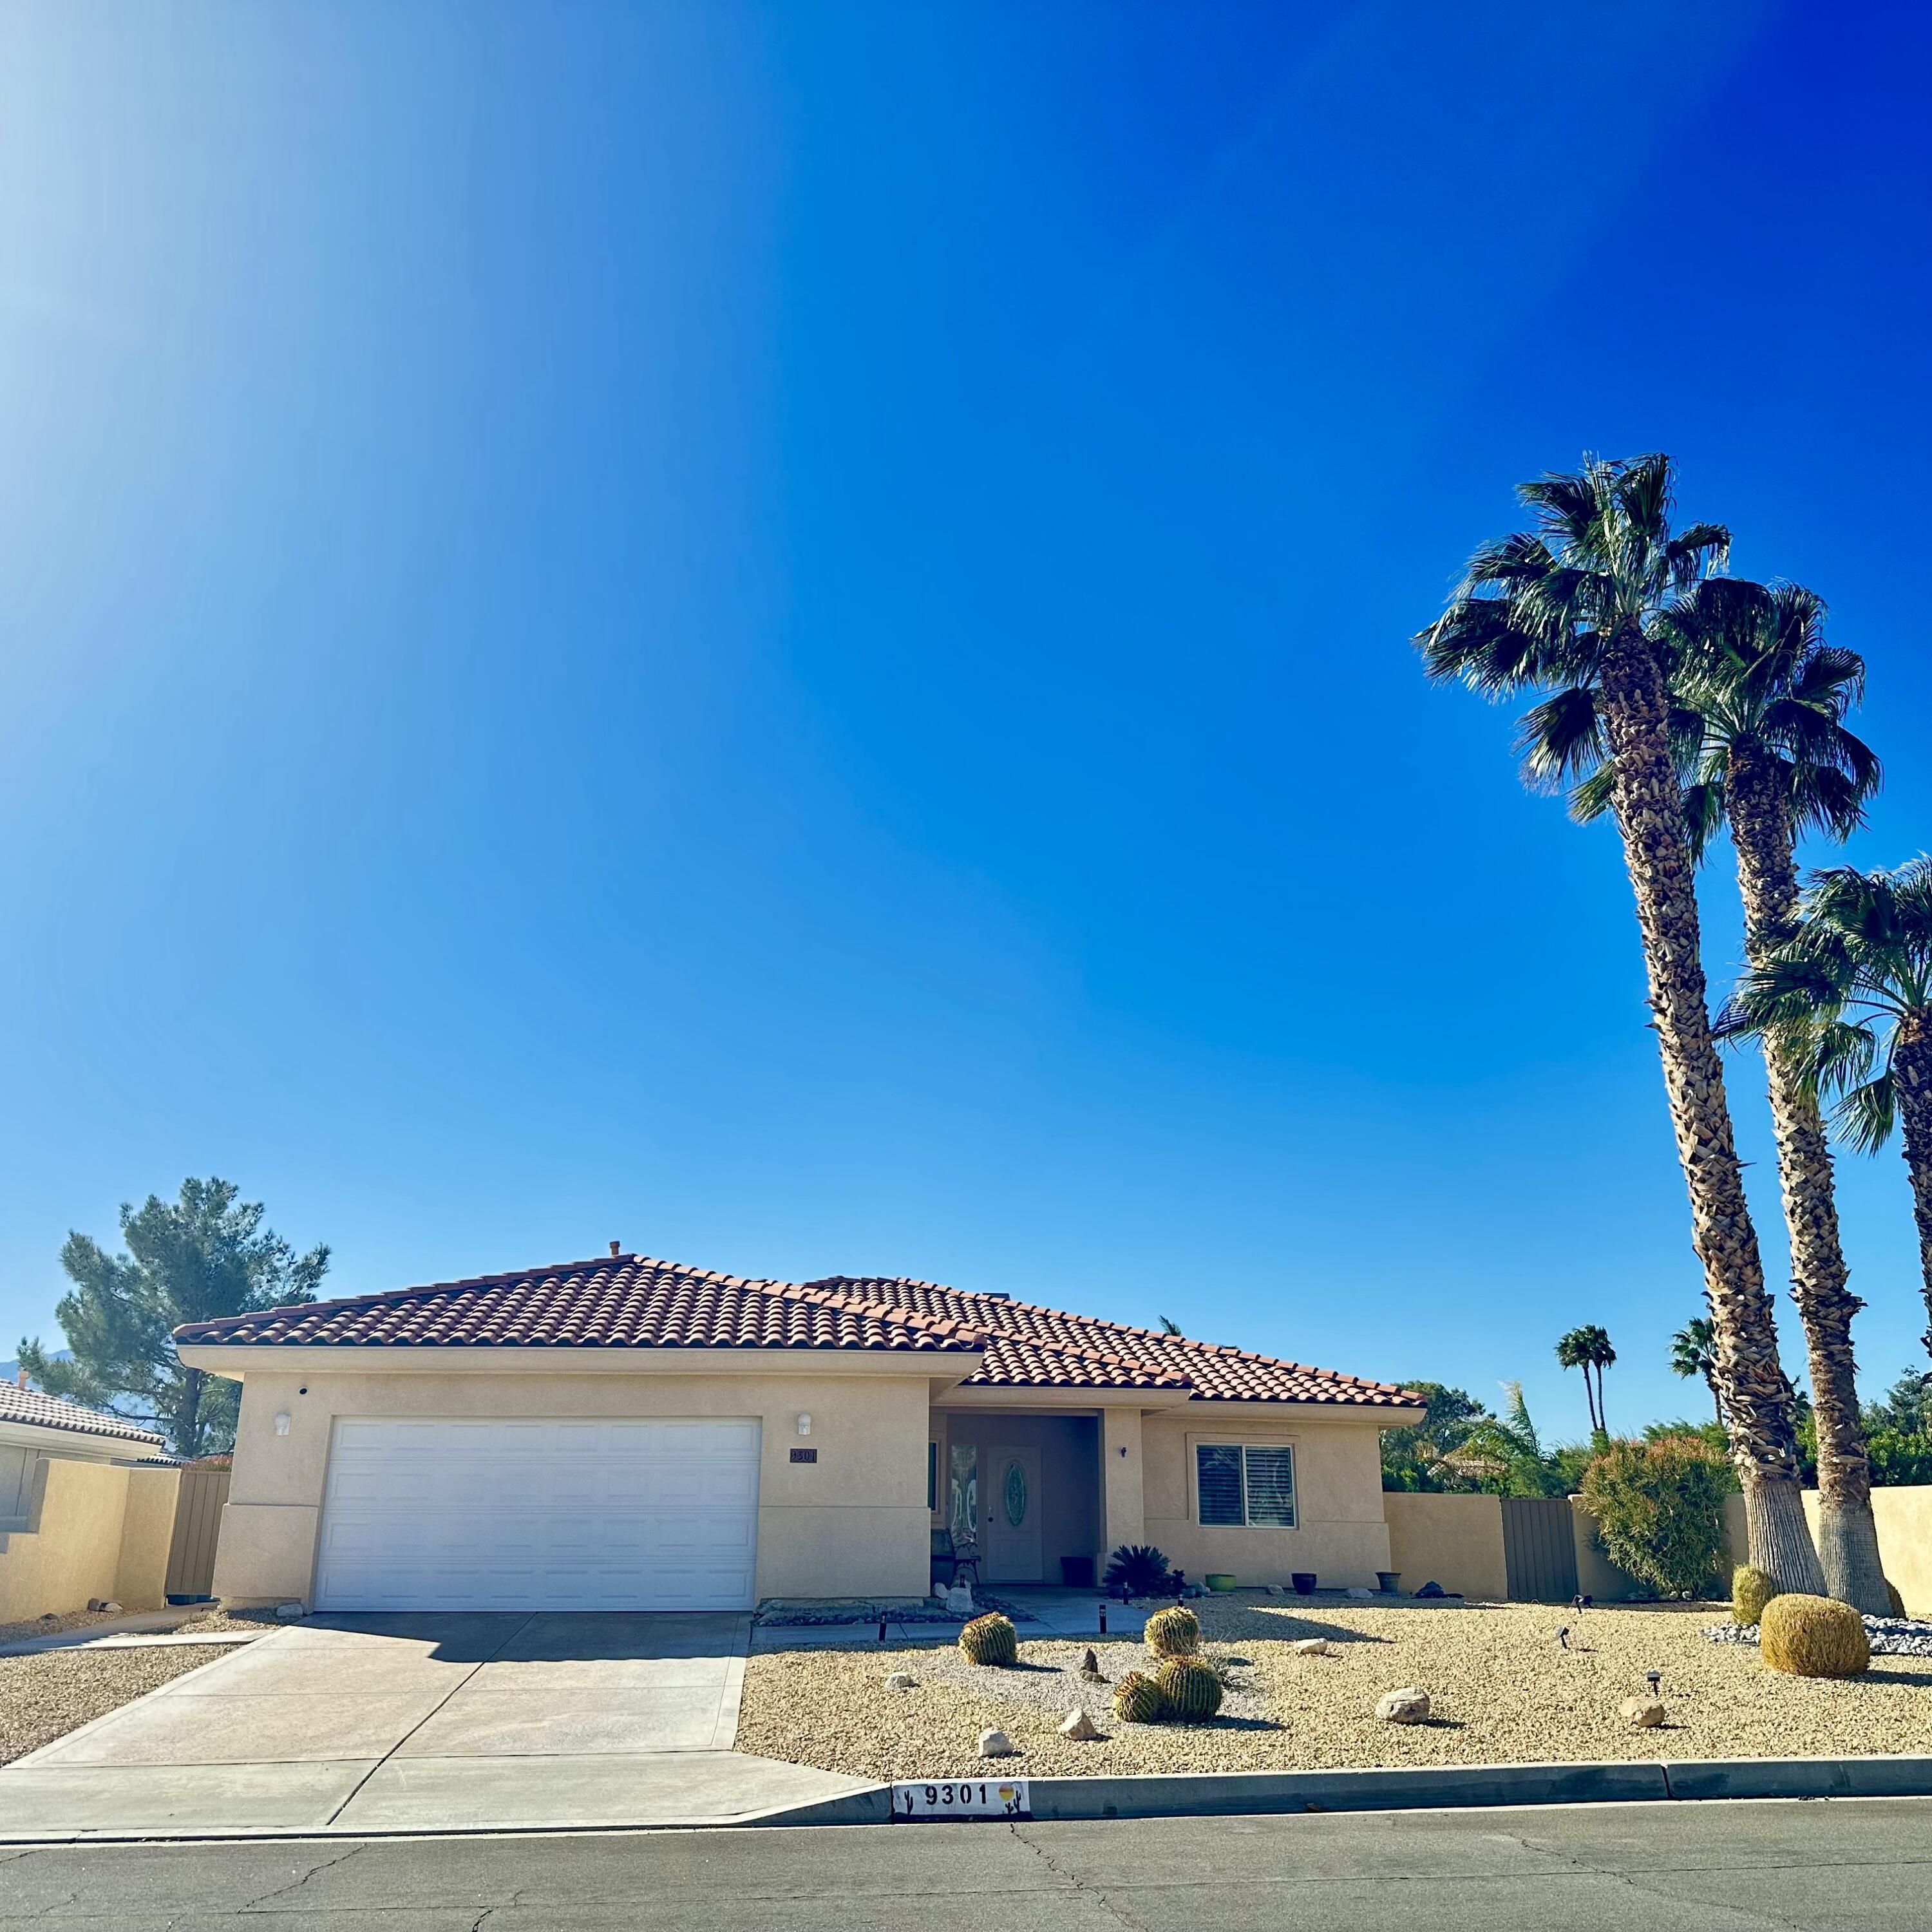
(1237, 1485)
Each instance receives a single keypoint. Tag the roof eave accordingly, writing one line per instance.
(237, 1360)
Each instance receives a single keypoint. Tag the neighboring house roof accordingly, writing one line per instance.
(47, 1411)
(632, 1301)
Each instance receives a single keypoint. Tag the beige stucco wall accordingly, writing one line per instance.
(1340, 1533)
(94, 1530)
(1455, 1540)
(853, 1523)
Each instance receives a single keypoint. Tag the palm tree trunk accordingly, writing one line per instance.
(1912, 1066)
(1768, 883)
(1650, 816)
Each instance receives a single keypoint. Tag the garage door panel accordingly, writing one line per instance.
(461, 1514)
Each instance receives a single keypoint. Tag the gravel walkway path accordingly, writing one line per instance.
(1504, 1691)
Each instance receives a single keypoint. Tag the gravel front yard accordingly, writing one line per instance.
(44, 1697)
(1504, 1691)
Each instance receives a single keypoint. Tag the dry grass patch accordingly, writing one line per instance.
(1504, 1692)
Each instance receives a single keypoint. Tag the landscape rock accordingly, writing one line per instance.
(1406, 1706)
(997, 1744)
(959, 1599)
(902, 1680)
(112, 1609)
(1090, 1667)
(290, 1612)
(1080, 1728)
(1641, 1713)
(1432, 1589)
(1358, 1590)
(1316, 1646)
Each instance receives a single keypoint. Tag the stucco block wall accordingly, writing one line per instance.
(1340, 1533)
(94, 1529)
(1455, 1540)
(852, 1523)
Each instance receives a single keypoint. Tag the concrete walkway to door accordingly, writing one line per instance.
(401, 1722)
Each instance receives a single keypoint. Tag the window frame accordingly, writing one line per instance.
(1242, 1446)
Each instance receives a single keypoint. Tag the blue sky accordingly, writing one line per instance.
(780, 633)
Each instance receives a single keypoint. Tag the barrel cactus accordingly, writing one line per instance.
(1190, 1688)
(1137, 1699)
(990, 1639)
(1750, 1591)
(1174, 1633)
(1813, 1636)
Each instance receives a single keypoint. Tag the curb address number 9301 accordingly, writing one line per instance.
(976, 1797)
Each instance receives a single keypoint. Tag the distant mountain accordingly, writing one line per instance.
(10, 1371)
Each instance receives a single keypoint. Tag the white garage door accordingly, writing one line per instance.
(528, 1516)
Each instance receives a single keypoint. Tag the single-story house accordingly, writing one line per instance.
(36, 1428)
(630, 1433)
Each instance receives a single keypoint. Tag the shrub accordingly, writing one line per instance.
(1190, 1688)
(1174, 1632)
(1137, 1699)
(1899, 1460)
(1812, 1636)
(1659, 1509)
(990, 1639)
(1750, 1591)
(1136, 1570)
(1892, 1598)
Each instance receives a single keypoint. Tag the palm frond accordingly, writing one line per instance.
(1562, 738)
(1867, 1113)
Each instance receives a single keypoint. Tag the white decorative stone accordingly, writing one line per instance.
(1316, 1646)
(939, 1590)
(902, 1680)
(1641, 1713)
(1080, 1728)
(1406, 1706)
(112, 1609)
(1357, 1590)
(290, 1612)
(996, 1744)
(959, 1598)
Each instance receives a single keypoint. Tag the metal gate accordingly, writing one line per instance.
(197, 1528)
(1539, 1549)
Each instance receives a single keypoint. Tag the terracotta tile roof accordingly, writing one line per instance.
(49, 1412)
(631, 1301)
(1023, 1341)
(627, 1302)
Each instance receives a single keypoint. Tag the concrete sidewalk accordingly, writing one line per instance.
(468, 1722)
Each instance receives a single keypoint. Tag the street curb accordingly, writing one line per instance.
(1213, 1794)
(1447, 1787)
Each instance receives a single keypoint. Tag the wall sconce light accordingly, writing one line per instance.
(282, 1423)
(804, 1425)
(1123, 1448)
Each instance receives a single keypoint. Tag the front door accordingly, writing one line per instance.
(1012, 1498)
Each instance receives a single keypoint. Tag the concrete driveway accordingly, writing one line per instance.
(401, 1722)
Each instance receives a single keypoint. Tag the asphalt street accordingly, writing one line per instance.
(1834, 1865)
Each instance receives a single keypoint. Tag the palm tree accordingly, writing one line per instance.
(1571, 608)
(1776, 761)
(1588, 1348)
(1850, 992)
(1693, 1352)
(1761, 700)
